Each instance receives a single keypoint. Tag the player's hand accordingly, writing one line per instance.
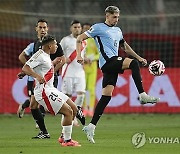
(20, 75)
(40, 79)
(80, 60)
(143, 61)
(57, 60)
(87, 61)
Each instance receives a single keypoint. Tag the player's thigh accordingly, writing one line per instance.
(53, 100)
(67, 86)
(66, 110)
(72, 105)
(126, 63)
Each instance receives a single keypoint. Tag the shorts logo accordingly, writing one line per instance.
(119, 58)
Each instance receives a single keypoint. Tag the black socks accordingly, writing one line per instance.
(26, 104)
(38, 117)
(134, 66)
(103, 102)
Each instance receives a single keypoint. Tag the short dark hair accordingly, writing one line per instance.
(87, 23)
(48, 38)
(112, 9)
(74, 22)
(41, 20)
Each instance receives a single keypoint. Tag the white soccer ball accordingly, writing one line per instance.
(156, 67)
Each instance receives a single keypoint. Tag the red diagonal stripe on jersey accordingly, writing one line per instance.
(73, 56)
(47, 102)
(49, 74)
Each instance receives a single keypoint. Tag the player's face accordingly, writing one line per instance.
(112, 19)
(41, 29)
(85, 28)
(54, 47)
(76, 29)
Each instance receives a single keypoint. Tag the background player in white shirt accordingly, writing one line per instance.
(41, 68)
(73, 75)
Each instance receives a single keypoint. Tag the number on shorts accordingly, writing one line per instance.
(53, 96)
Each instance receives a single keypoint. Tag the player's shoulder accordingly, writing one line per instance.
(30, 45)
(38, 54)
(96, 25)
(65, 39)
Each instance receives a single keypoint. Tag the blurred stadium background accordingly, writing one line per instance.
(151, 27)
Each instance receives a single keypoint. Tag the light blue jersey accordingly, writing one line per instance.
(29, 51)
(107, 39)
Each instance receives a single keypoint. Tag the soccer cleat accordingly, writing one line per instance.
(41, 135)
(90, 113)
(20, 111)
(61, 140)
(90, 133)
(80, 115)
(144, 99)
(85, 112)
(70, 143)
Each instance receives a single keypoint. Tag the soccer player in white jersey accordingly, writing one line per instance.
(108, 38)
(42, 30)
(41, 68)
(73, 75)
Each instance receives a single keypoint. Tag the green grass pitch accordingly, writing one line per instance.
(113, 135)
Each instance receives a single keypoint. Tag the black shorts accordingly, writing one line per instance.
(30, 88)
(111, 70)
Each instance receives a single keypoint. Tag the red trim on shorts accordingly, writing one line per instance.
(47, 102)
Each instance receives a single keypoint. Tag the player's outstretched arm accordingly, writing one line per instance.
(131, 52)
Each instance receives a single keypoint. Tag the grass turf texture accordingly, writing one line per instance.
(113, 135)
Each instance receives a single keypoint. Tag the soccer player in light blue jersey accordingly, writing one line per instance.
(109, 38)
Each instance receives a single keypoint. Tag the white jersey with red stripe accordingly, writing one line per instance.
(73, 69)
(46, 94)
(41, 63)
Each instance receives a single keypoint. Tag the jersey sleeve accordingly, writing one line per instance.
(29, 49)
(35, 60)
(93, 31)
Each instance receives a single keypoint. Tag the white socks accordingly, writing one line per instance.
(67, 131)
(79, 100)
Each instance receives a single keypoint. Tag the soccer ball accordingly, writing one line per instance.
(156, 68)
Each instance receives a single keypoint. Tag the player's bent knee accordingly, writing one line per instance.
(73, 106)
(134, 64)
(66, 110)
(108, 90)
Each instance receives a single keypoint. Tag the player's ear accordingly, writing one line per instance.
(36, 28)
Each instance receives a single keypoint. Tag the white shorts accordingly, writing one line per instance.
(52, 100)
(73, 84)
